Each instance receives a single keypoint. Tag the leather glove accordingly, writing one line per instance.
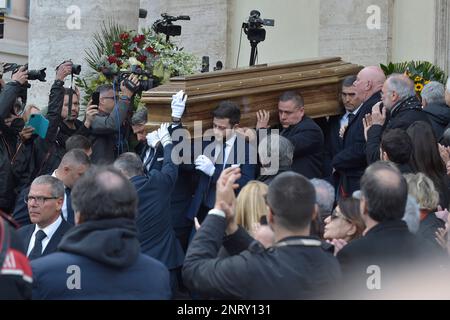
(205, 165)
(164, 135)
(178, 104)
(153, 139)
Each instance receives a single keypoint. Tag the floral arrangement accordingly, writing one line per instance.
(421, 72)
(117, 49)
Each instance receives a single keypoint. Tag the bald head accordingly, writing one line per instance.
(369, 81)
(385, 192)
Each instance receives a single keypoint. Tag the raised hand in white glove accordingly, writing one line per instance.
(164, 135)
(205, 165)
(178, 104)
(153, 139)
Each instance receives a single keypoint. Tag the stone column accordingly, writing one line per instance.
(344, 30)
(442, 29)
(204, 35)
(63, 29)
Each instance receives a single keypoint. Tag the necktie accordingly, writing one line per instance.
(351, 117)
(70, 214)
(37, 249)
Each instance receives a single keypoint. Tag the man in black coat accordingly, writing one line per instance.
(433, 101)
(387, 250)
(399, 109)
(296, 267)
(45, 201)
(302, 131)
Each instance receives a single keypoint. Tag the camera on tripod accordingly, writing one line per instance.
(166, 27)
(253, 28)
(32, 74)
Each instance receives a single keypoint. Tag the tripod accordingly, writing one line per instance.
(255, 36)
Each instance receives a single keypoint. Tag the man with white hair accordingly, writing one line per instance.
(433, 102)
(399, 108)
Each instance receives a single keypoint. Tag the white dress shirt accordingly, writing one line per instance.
(344, 119)
(49, 231)
(229, 146)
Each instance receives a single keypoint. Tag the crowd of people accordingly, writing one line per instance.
(353, 205)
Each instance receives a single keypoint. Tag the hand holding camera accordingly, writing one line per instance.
(91, 112)
(130, 85)
(178, 104)
(64, 70)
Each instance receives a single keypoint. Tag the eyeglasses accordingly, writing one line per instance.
(39, 200)
(107, 98)
(337, 214)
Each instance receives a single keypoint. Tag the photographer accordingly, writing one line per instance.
(10, 126)
(37, 156)
(106, 128)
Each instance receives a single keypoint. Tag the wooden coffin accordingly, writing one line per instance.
(252, 88)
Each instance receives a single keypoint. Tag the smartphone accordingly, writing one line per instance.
(96, 98)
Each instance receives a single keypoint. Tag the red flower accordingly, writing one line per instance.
(150, 50)
(142, 58)
(117, 45)
(112, 59)
(139, 38)
(124, 36)
(118, 52)
(119, 62)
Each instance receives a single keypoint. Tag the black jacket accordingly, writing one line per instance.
(439, 116)
(389, 246)
(27, 231)
(350, 162)
(308, 141)
(285, 272)
(402, 116)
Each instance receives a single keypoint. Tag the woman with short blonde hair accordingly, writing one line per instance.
(250, 205)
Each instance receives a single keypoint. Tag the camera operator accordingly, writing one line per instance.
(37, 156)
(106, 127)
(10, 126)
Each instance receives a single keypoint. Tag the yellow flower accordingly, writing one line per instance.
(427, 82)
(419, 87)
(418, 79)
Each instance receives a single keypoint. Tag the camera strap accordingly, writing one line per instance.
(69, 111)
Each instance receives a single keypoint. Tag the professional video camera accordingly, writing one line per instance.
(166, 27)
(144, 84)
(255, 32)
(32, 74)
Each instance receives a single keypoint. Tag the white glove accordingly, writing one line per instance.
(152, 139)
(164, 135)
(205, 165)
(178, 104)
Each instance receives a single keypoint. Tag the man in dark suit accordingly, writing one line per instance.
(296, 267)
(227, 149)
(301, 131)
(45, 201)
(153, 221)
(387, 244)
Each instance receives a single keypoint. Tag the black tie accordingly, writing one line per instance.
(70, 214)
(37, 249)
(351, 117)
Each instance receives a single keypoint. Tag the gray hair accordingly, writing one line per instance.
(139, 117)
(402, 85)
(434, 92)
(284, 149)
(56, 186)
(129, 164)
(325, 195)
(412, 215)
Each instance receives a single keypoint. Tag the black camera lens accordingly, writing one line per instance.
(76, 69)
(37, 74)
(145, 85)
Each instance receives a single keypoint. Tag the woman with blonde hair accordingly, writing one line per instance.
(251, 206)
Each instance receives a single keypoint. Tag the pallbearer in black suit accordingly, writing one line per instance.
(45, 201)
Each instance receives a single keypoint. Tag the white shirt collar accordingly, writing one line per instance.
(50, 229)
